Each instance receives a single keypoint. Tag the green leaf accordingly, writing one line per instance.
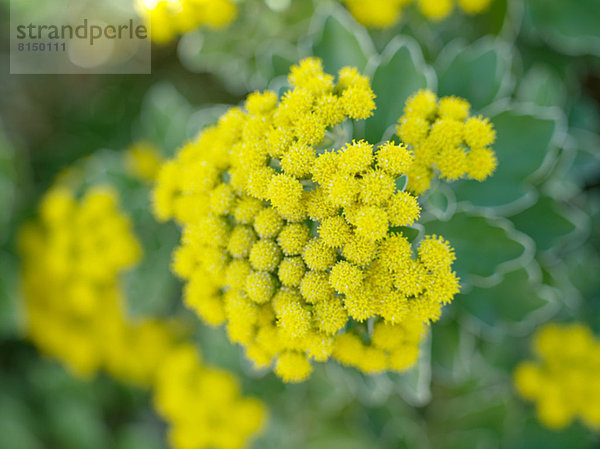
(139, 437)
(542, 87)
(464, 439)
(150, 288)
(206, 116)
(524, 141)
(345, 438)
(9, 307)
(439, 201)
(532, 435)
(410, 233)
(229, 56)
(586, 164)
(581, 268)
(400, 72)
(401, 182)
(339, 41)
(473, 422)
(482, 245)
(17, 424)
(495, 20)
(415, 384)
(9, 178)
(445, 344)
(573, 28)
(583, 114)
(77, 423)
(165, 116)
(275, 58)
(545, 223)
(480, 72)
(512, 301)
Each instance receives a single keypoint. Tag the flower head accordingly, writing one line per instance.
(142, 161)
(73, 259)
(563, 381)
(386, 13)
(204, 406)
(304, 233)
(442, 136)
(172, 17)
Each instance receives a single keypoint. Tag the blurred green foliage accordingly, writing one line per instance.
(527, 239)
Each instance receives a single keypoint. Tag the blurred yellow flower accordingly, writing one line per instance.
(169, 18)
(73, 259)
(294, 244)
(564, 381)
(204, 406)
(386, 13)
(142, 161)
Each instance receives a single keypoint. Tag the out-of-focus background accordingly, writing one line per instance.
(531, 65)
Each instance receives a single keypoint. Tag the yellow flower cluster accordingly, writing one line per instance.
(72, 261)
(142, 161)
(204, 406)
(377, 13)
(564, 383)
(386, 13)
(169, 18)
(294, 244)
(442, 135)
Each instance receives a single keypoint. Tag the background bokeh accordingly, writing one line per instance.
(527, 240)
